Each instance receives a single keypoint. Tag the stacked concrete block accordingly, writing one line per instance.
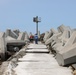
(16, 31)
(67, 55)
(51, 39)
(26, 36)
(3, 48)
(53, 35)
(65, 35)
(68, 42)
(11, 33)
(50, 33)
(72, 39)
(9, 38)
(63, 40)
(62, 35)
(11, 41)
(62, 28)
(53, 31)
(2, 34)
(70, 30)
(63, 43)
(21, 36)
(45, 36)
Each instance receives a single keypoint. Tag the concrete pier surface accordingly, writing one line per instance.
(38, 61)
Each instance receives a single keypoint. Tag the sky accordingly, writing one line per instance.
(18, 14)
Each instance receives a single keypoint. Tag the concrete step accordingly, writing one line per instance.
(40, 64)
(37, 51)
(37, 48)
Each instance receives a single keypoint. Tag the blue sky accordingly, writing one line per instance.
(18, 14)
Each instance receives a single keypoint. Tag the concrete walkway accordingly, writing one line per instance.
(38, 61)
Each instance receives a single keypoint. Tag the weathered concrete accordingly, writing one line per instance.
(72, 39)
(53, 31)
(67, 55)
(15, 42)
(39, 64)
(21, 36)
(37, 50)
(11, 33)
(48, 36)
(64, 35)
(52, 38)
(26, 36)
(45, 36)
(3, 48)
(9, 38)
(65, 42)
(74, 66)
(36, 46)
(61, 28)
(2, 34)
(16, 31)
(64, 38)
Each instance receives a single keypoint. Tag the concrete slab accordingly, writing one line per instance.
(37, 50)
(36, 46)
(37, 64)
(40, 64)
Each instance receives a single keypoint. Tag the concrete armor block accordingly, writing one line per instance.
(3, 48)
(67, 55)
(21, 36)
(11, 33)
